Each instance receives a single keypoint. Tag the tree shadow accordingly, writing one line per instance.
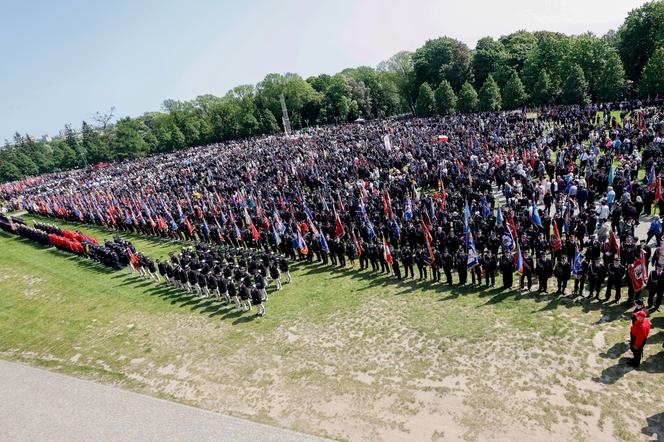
(655, 427)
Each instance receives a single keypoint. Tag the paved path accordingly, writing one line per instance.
(39, 405)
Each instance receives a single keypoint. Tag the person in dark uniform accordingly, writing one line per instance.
(596, 276)
(245, 294)
(436, 265)
(407, 261)
(448, 264)
(655, 289)
(528, 268)
(284, 269)
(507, 270)
(257, 300)
(490, 266)
(563, 272)
(543, 271)
(395, 264)
(616, 273)
(462, 266)
(580, 278)
(275, 274)
(420, 262)
(373, 257)
(232, 292)
(211, 283)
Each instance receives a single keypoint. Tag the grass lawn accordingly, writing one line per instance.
(340, 354)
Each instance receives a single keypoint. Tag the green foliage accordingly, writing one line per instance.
(446, 100)
(128, 141)
(652, 81)
(639, 36)
(611, 81)
(468, 100)
(514, 94)
(575, 90)
(426, 103)
(543, 91)
(489, 97)
(442, 59)
(489, 56)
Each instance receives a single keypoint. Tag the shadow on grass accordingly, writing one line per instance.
(654, 427)
(653, 364)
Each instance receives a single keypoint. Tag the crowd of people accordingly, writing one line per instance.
(557, 193)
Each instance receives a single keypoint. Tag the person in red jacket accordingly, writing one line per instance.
(638, 334)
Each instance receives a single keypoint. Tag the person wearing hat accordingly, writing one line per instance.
(596, 276)
(655, 286)
(563, 272)
(638, 336)
(544, 270)
(507, 269)
(616, 273)
(257, 300)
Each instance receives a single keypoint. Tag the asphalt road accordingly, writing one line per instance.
(39, 405)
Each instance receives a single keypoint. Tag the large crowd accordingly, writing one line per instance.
(558, 193)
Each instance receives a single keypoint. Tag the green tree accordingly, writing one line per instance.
(440, 59)
(9, 171)
(489, 54)
(426, 103)
(446, 100)
(639, 36)
(543, 91)
(518, 47)
(467, 101)
(399, 69)
(268, 123)
(96, 148)
(575, 89)
(128, 142)
(514, 94)
(489, 96)
(611, 80)
(652, 80)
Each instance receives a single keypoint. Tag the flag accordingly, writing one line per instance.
(323, 243)
(658, 192)
(486, 209)
(578, 263)
(338, 226)
(472, 253)
(386, 252)
(534, 216)
(387, 142)
(500, 218)
(275, 234)
(638, 272)
(507, 240)
(443, 138)
(614, 246)
(556, 242)
(370, 229)
(466, 213)
(611, 175)
(408, 210)
(358, 246)
(652, 177)
(255, 233)
(518, 259)
(396, 230)
(301, 244)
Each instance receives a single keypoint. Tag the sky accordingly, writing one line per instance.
(62, 61)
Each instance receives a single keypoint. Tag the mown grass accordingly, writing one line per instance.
(340, 353)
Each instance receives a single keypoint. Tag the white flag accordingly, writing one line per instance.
(387, 142)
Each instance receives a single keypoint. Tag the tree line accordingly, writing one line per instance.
(442, 77)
